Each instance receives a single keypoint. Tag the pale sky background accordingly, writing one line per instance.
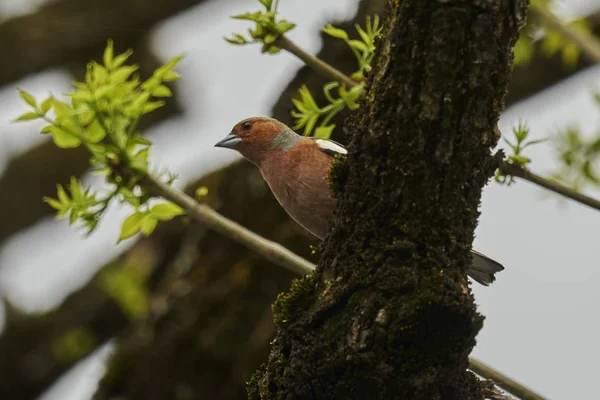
(541, 314)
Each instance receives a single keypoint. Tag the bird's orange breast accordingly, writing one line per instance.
(298, 179)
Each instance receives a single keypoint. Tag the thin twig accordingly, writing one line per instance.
(586, 42)
(202, 213)
(503, 381)
(318, 65)
(523, 173)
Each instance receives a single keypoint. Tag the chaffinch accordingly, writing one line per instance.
(295, 168)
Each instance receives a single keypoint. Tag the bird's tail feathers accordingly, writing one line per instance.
(483, 268)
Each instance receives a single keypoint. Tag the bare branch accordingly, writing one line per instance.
(523, 173)
(315, 63)
(503, 381)
(272, 251)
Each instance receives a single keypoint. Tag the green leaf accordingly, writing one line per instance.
(86, 117)
(29, 99)
(166, 211)
(148, 224)
(151, 106)
(81, 95)
(256, 17)
(108, 55)
(269, 38)
(137, 139)
(266, 3)
(310, 124)
(162, 91)
(170, 76)
(358, 45)
(335, 32)
(76, 191)
(46, 105)
(107, 90)
(53, 203)
(122, 74)
(95, 132)
(121, 58)
(99, 74)
(363, 35)
(63, 197)
(63, 139)
(28, 116)
(284, 26)
(140, 160)
(151, 83)
(160, 72)
(237, 39)
(270, 49)
(324, 132)
(136, 106)
(532, 142)
(131, 225)
(61, 109)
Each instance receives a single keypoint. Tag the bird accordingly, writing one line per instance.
(295, 168)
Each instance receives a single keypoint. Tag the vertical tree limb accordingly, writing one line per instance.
(389, 314)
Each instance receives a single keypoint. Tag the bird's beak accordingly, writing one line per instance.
(230, 141)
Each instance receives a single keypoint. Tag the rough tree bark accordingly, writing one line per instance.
(388, 313)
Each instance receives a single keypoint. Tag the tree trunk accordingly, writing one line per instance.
(389, 313)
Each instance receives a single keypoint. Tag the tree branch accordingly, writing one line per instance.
(313, 62)
(272, 251)
(515, 170)
(503, 381)
(586, 42)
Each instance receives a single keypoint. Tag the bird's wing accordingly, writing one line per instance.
(330, 147)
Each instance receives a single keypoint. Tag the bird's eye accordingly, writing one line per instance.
(247, 125)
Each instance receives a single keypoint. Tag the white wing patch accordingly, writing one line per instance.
(331, 146)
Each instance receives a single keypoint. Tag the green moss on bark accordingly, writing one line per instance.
(389, 313)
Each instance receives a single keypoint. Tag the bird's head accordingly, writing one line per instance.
(255, 138)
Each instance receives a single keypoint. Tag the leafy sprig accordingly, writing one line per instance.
(579, 158)
(102, 113)
(363, 49)
(308, 113)
(521, 133)
(267, 30)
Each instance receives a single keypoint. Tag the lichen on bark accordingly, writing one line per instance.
(389, 314)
